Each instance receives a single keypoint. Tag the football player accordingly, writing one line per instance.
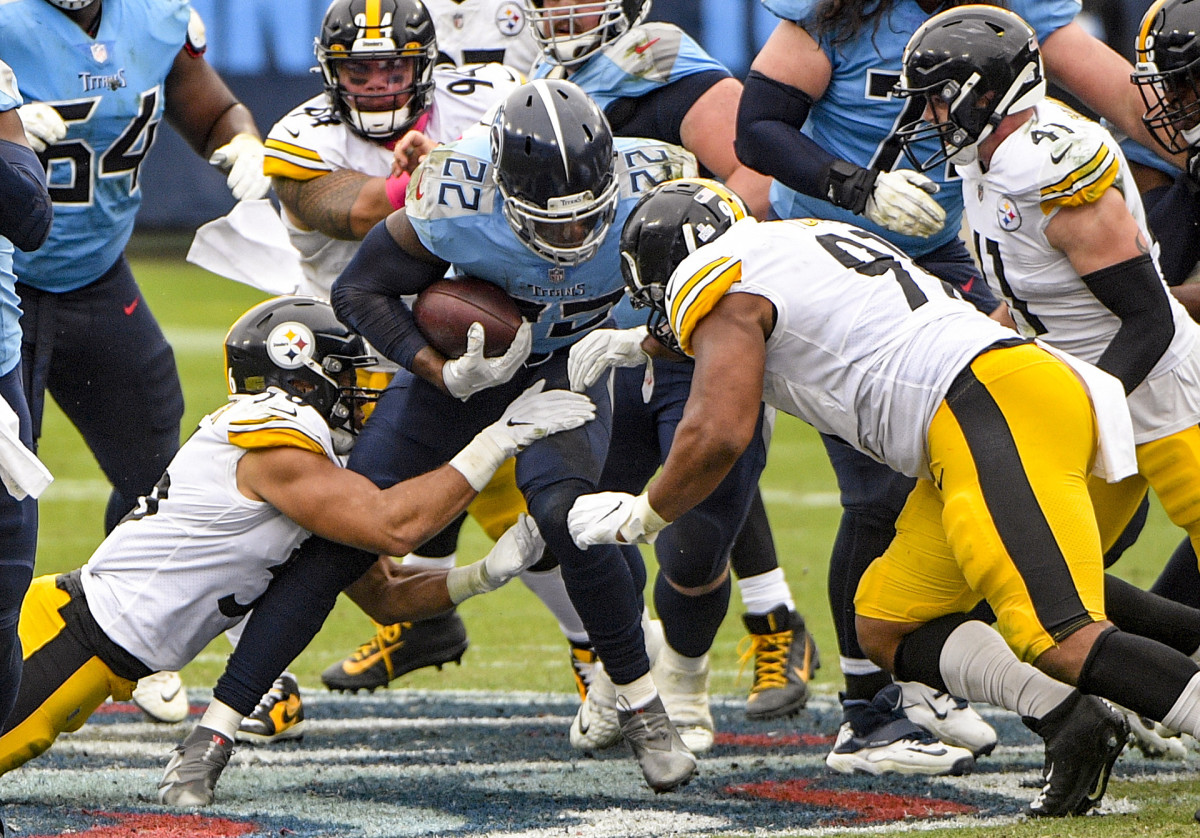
(999, 433)
(236, 501)
(529, 207)
(820, 88)
(653, 80)
(25, 218)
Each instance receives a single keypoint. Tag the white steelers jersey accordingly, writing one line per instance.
(192, 558)
(865, 344)
(471, 31)
(309, 143)
(1060, 159)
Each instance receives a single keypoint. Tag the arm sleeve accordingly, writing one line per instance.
(367, 295)
(660, 112)
(1133, 291)
(25, 209)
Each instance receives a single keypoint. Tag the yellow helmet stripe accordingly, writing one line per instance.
(373, 19)
(1147, 21)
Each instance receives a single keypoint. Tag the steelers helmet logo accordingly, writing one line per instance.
(289, 344)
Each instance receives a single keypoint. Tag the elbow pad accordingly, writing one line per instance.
(1134, 292)
(25, 211)
(367, 296)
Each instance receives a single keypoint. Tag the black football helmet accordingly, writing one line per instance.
(581, 36)
(668, 224)
(980, 63)
(555, 165)
(1168, 72)
(298, 345)
(383, 36)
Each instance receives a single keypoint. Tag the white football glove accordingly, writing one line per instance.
(242, 158)
(518, 549)
(902, 201)
(600, 349)
(43, 126)
(613, 518)
(470, 373)
(532, 415)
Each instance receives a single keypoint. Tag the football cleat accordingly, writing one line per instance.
(951, 719)
(279, 715)
(1084, 736)
(665, 760)
(877, 738)
(685, 696)
(398, 649)
(583, 665)
(595, 726)
(785, 659)
(195, 767)
(161, 696)
(1154, 740)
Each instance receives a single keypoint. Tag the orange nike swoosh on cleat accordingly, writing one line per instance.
(359, 667)
(129, 309)
(289, 712)
(646, 46)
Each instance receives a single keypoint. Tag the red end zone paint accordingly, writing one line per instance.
(769, 740)
(861, 807)
(118, 708)
(127, 825)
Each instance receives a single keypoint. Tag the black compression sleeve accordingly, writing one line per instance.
(367, 295)
(25, 209)
(659, 114)
(1134, 292)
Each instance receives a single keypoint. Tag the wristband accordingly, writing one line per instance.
(643, 517)
(396, 189)
(465, 582)
(479, 460)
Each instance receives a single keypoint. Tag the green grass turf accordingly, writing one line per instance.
(514, 642)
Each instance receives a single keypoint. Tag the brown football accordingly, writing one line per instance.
(447, 308)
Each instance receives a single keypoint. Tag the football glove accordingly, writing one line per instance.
(242, 159)
(613, 518)
(902, 201)
(531, 416)
(43, 126)
(601, 349)
(470, 373)
(518, 549)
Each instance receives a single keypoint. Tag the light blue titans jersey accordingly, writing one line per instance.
(109, 91)
(10, 303)
(639, 62)
(857, 112)
(455, 207)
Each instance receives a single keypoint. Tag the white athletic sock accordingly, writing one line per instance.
(763, 593)
(1184, 714)
(680, 663)
(636, 694)
(977, 665)
(858, 666)
(547, 585)
(434, 562)
(222, 718)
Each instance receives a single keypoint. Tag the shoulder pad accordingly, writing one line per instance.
(1078, 161)
(197, 37)
(648, 51)
(452, 181)
(274, 420)
(642, 164)
(695, 288)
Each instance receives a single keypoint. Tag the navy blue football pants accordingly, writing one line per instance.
(18, 543)
(694, 551)
(102, 356)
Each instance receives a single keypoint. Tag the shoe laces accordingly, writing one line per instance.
(770, 655)
(384, 636)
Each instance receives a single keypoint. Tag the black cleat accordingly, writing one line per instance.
(1084, 736)
(399, 649)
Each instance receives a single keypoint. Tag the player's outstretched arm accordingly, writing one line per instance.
(344, 506)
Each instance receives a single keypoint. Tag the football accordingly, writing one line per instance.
(447, 308)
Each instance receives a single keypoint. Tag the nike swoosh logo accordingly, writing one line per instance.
(513, 423)
(291, 711)
(646, 46)
(1057, 158)
(290, 131)
(584, 723)
(169, 695)
(129, 309)
(359, 667)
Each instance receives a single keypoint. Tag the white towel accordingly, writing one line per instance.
(21, 471)
(251, 246)
(1116, 454)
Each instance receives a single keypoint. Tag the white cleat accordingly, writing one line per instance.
(595, 726)
(161, 696)
(950, 719)
(685, 695)
(1154, 740)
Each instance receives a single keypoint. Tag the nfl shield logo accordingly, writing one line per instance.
(459, 20)
(557, 274)
(100, 52)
